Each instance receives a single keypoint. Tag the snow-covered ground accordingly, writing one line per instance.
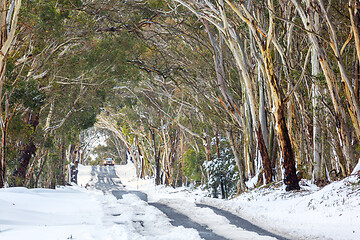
(63, 213)
(332, 212)
(81, 212)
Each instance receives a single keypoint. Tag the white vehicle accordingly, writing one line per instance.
(109, 162)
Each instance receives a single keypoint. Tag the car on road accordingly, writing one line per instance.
(109, 162)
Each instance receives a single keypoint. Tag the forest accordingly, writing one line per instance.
(228, 95)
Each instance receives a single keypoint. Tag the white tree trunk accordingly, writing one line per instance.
(262, 112)
(316, 107)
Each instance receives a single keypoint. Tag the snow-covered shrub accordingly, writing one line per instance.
(222, 174)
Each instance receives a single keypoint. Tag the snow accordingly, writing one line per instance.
(357, 168)
(132, 218)
(251, 183)
(218, 224)
(48, 214)
(332, 212)
(84, 177)
(82, 212)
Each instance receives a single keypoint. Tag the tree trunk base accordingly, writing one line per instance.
(292, 187)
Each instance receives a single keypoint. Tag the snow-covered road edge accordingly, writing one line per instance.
(332, 212)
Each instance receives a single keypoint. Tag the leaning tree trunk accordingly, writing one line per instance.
(290, 179)
(230, 104)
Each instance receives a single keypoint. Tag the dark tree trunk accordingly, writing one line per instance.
(74, 171)
(157, 168)
(63, 164)
(222, 187)
(290, 178)
(42, 164)
(265, 156)
(28, 151)
(26, 155)
(217, 144)
(3, 160)
(142, 173)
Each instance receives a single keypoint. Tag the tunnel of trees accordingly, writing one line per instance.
(211, 92)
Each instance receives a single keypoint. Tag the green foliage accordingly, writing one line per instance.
(156, 4)
(16, 126)
(47, 17)
(29, 95)
(192, 163)
(82, 120)
(10, 66)
(49, 142)
(127, 132)
(71, 3)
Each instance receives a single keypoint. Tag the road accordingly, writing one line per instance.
(110, 183)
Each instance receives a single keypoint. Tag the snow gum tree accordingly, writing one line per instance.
(278, 79)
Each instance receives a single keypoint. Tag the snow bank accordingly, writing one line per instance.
(155, 193)
(83, 214)
(84, 176)
(127, 175)
(48, 214)
(332, 212)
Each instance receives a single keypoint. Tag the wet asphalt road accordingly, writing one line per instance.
(109, 182)
(106, 178)
(178, 219)
(242, 223)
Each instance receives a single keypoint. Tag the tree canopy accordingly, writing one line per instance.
(207, 92)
